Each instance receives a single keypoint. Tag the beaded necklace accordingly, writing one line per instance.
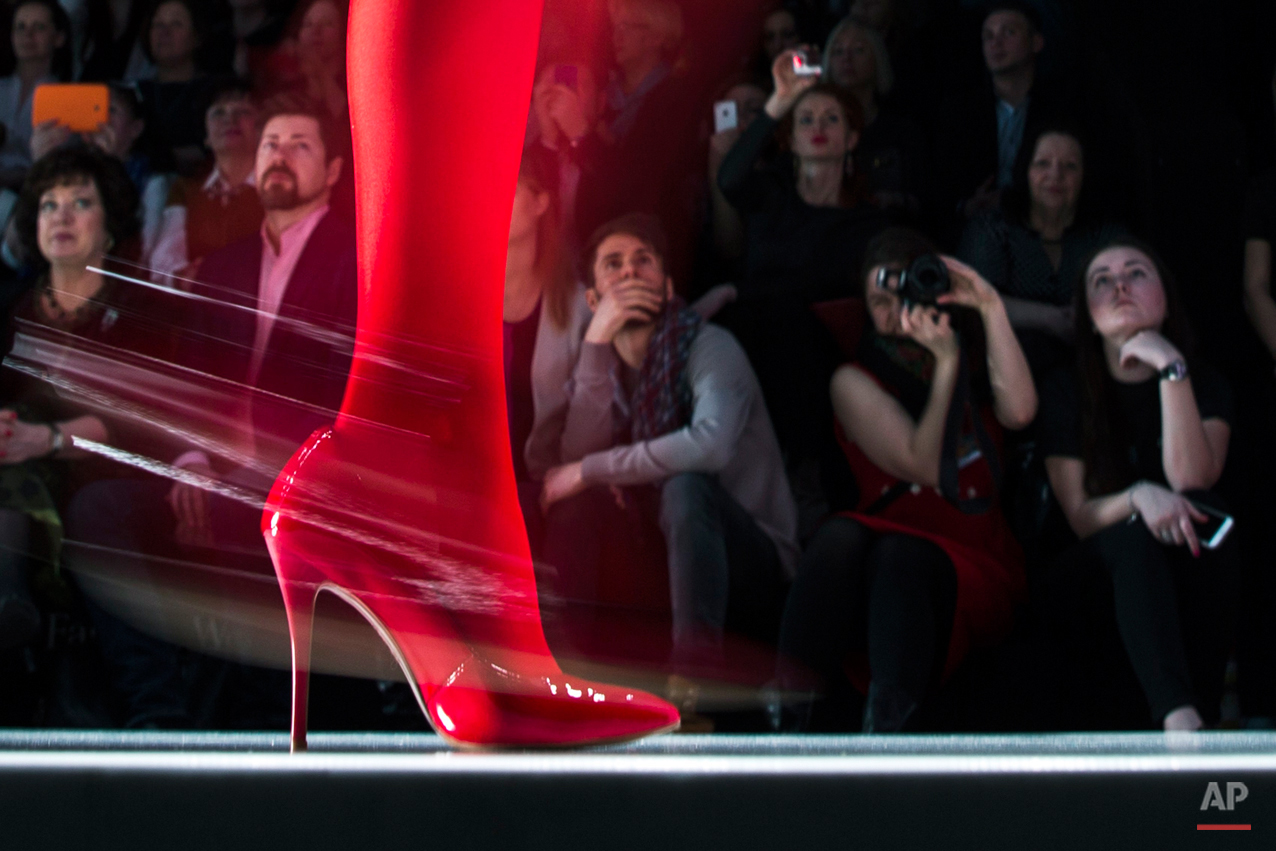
(59, 316)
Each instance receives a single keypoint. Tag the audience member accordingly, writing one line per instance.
(646, 44)
(290, 349)
(78, 211)
(1135, 439)
(1256, 641)
(804, 219)
(806, 225)
(891, 148)
(779, 33)
(926, 566)
(124, 136)
(1033, 251)
(545, 318)
(39, 30)
(814, 18)
(649, 116)
(568, 149)
(207, 213)
(258, 27)
(727, 225)
(177, 40)
(112, 45)
(1260, 235)
(318, 42)
(658, 398)
(925, 66)
(979, 133)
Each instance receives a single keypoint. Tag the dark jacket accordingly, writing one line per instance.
(964, 149)
(307, 358)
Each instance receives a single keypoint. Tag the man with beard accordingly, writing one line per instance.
(285, 323)
(665, 418)
(266, 351)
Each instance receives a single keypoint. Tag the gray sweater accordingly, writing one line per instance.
(729, 435)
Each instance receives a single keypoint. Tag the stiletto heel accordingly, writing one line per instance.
(299, 604)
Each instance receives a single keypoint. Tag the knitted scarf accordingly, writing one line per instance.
(661, 400)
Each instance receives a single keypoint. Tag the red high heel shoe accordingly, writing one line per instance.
(462, 622)
(407, 508)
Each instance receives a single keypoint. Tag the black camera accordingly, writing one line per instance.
(924, 281)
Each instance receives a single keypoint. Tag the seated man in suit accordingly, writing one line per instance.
(267, 348)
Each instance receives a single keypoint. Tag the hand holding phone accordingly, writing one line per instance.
(792, 74)
(564, 104)
(1215, 530)
(806, 64)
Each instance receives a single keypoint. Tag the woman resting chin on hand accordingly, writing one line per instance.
(1134, 438)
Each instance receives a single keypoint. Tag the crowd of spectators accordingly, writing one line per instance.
(758, 452)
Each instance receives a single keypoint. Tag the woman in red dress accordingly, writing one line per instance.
(892, 595)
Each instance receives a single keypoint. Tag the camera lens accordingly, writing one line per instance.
(925, 280)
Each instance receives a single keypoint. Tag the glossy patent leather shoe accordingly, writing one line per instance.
(463, 623)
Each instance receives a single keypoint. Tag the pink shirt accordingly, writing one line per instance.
(276, 271)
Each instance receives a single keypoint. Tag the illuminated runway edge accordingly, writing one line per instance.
(173, 790)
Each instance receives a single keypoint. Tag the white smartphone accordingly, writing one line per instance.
(805, 66)
(1213, 532)
(725, 116)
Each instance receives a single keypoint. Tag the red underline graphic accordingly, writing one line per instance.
(1222, 827)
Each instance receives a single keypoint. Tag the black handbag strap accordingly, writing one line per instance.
(950, 464)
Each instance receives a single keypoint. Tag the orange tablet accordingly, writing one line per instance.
(82, 107)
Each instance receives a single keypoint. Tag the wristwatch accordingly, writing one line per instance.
(1176, 371)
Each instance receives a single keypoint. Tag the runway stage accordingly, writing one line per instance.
(374, 791)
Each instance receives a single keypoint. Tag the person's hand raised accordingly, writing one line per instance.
(47, 136)
(106, 139)
(969, 288)
(720, 145)
(567, 111)
(789, 85)
(932, 328)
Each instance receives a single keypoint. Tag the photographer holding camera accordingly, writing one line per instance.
(895, 592)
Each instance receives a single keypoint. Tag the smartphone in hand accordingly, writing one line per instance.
(726, 116)
(1214, 531)
(80, 107)
(806, 65)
